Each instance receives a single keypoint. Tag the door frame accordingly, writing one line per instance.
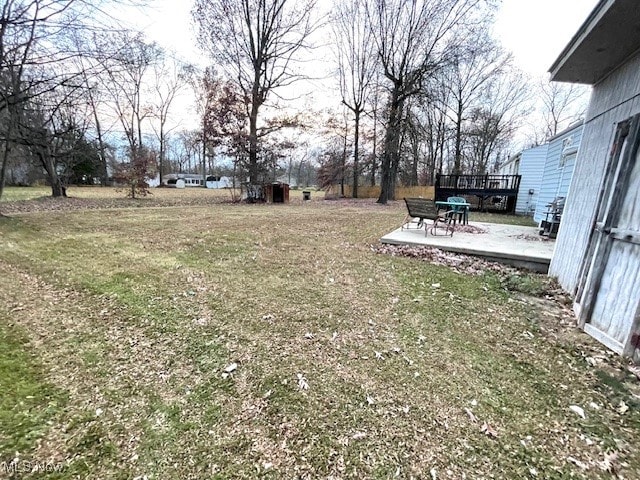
(613, 188)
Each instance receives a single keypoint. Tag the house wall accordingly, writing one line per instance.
(532, 163)
(556, 179)
(511, 166)
(613, 100)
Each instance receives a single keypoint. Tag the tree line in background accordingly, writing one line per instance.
(424, 90)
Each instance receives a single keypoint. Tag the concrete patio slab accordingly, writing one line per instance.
(509, 244)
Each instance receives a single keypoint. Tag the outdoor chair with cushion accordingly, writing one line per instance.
(461, 211)
(424, 209)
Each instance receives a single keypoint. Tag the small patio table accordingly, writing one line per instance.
(452, 205)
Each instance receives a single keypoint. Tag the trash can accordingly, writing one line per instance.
(306, 195)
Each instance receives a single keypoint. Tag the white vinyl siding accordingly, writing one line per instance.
(531, 169)
(558, 170)
(613, 100)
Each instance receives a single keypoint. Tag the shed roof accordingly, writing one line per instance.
(609, 36)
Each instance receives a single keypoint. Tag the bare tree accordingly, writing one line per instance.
(36, 54)
(473, 67)
(355, 52)
(127, 74)
(168, 79)
(562, 105)
(413, 38)
(224, 119)
(256, 42)
(436, 128)
(492, 124)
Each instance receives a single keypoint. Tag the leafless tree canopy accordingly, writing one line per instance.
(414, 39)
(563, 104)
(41, 48)
(423, 89)
(357, 64)
(256, 42)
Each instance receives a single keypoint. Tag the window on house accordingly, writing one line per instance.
(569, 152)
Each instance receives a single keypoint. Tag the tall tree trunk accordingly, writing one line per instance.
(57, 188)
(374, 159)
(344, 163)
(161, 160)
(356, 143)
(8, 146)
(389, 165)
(299, 178)
(457, 166)
(253, 135)
(102, 150)
(204, 163)
(414, 164)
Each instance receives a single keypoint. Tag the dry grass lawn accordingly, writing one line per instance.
(168, 338)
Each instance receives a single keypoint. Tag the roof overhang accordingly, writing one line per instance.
(609, 37)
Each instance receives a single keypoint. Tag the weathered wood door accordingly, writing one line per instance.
(608, 296)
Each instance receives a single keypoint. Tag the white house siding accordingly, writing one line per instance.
(613, 100)
(556, 179)
(511, 166)
(532, 163)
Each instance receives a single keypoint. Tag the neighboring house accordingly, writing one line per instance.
(597, 253)
(529, 164)
(214, 181)
(195, 180)
(558, 168)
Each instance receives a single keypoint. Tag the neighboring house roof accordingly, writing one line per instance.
(512, 159)
(609, 36)
(573, 126)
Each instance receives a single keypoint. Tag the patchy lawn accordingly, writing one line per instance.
(235, 341)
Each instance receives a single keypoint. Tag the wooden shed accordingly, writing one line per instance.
(276, 193)
(597, 255)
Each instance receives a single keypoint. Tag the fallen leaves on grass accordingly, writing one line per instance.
(635, 369)
(577, 410)
(578, 463)
(458, 262)
(471, 416)
(622, 408)
(302, 382)
(488, 430)
(608, 463)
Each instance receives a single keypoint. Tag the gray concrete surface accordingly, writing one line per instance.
(509, 244)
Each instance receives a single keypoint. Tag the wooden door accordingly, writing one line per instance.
(608, 296)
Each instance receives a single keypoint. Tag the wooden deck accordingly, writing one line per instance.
(491, 193)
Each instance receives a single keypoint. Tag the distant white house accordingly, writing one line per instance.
(214, 181)
(529, 164)
(196, 180)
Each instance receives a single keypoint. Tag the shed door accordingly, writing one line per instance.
(609, 294)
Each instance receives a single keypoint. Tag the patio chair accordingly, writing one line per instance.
(462, 211)
(425, 209)
(553, 216)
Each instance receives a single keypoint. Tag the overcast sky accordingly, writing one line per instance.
(535, 31)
